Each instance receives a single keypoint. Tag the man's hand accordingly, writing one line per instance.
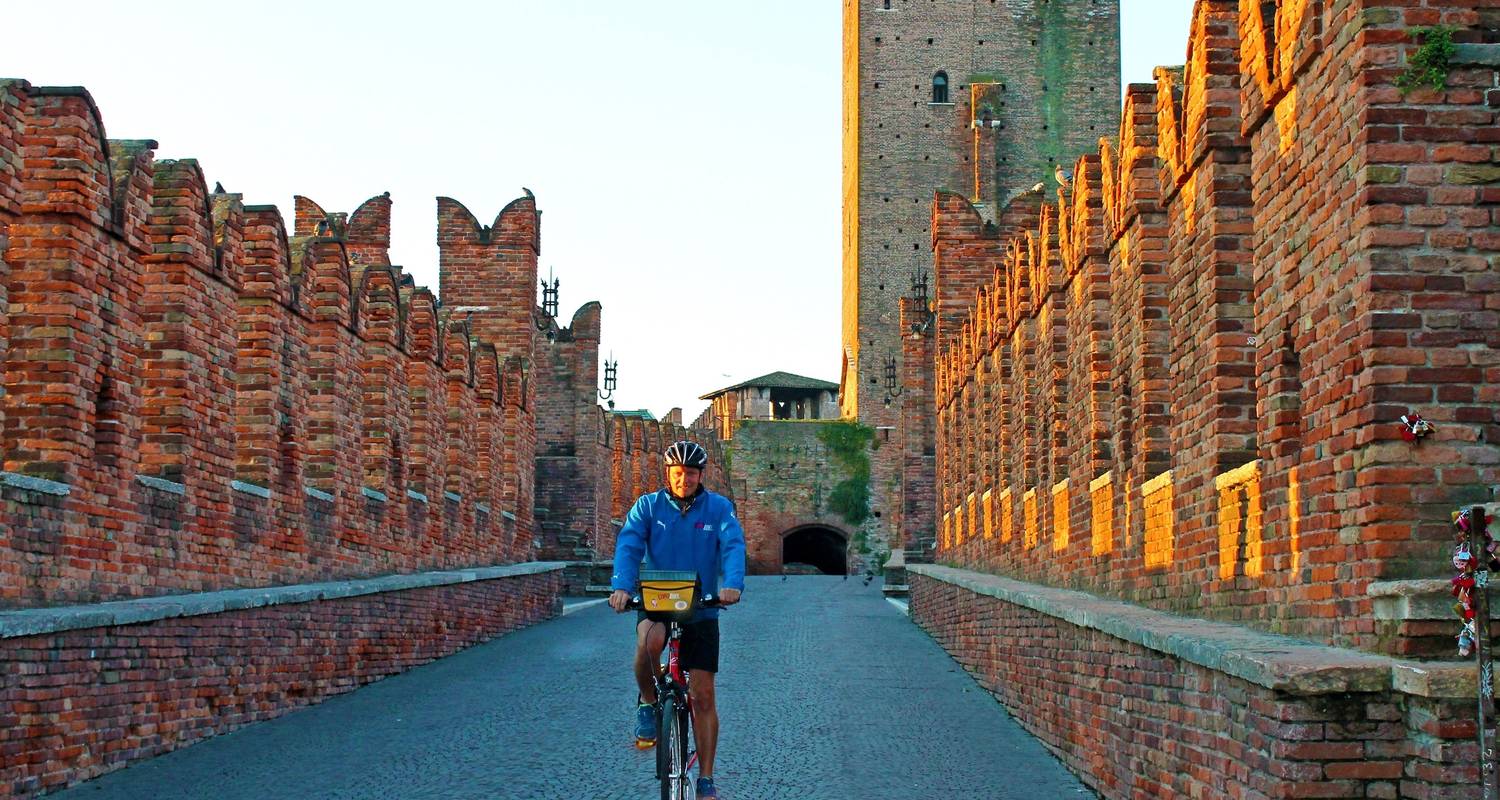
(619, 599)
(728, 597)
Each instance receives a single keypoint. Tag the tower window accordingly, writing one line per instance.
(940, 87)
(888, 7)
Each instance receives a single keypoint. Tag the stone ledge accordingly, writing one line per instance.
(1417, 598)
(251, 489)
(1276, 662)
(1477, 54)
(31, 484)
(162, 485)
(39, 621)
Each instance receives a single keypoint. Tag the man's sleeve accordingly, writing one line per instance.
(732, 551)
(630, 547)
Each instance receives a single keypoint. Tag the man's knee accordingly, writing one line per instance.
(702, 691)
(650, 640)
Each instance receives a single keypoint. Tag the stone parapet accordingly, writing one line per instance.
(93, 689)
(1144, 703)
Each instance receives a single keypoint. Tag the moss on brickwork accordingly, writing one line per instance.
(849, 443)
(1430, 64)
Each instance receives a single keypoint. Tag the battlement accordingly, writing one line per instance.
(1180, 382)
(198, 398)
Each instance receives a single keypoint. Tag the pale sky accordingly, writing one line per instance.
(685, 153)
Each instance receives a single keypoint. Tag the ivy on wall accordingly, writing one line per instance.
(1430, 64)
(849, 443)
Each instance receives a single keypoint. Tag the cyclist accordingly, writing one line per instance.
(682, 527)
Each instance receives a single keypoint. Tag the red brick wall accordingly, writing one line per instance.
(84, 702)
(1278, 256)
(162, 341)
(1135, 722)
(574, 464)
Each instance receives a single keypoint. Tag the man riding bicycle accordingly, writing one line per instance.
(682, 527)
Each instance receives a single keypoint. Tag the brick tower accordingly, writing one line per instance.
(981, 97)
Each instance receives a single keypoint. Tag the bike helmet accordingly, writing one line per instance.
(686, 454)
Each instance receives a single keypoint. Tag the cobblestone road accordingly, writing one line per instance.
(827, 691)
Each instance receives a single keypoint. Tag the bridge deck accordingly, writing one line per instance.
(827, 691)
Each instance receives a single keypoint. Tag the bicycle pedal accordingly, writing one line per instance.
(645, 744)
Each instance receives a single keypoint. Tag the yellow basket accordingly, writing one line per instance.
(669, 596)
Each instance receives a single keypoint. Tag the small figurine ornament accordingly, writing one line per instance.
(1466, 639)
(1413, 427)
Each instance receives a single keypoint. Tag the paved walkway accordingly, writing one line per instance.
(826, 692)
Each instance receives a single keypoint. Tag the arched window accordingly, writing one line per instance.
(940, 87)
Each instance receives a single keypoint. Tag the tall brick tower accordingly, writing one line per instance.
(981, 97)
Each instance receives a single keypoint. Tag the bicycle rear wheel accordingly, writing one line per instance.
(671, 750)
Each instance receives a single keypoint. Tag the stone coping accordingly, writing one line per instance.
(39, 621)
(1274, 661)
(32, 484)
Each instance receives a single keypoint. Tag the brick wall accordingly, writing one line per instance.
(212, 401)
(1142, 706)
(81, 702)
(574, 460)
(1044, 76)
(1211, 333)
(786, 476)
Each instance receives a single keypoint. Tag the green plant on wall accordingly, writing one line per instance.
(1430, 64)
(849, 442)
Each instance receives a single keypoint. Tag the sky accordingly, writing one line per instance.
(685, 153)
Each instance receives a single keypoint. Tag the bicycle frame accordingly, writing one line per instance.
(672, 682)
(672, 694)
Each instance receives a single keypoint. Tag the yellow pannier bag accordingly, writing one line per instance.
(669, 595)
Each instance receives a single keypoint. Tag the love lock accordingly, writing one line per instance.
(1413, 427)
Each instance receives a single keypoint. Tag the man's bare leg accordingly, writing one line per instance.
(650, 640)
(705, 719)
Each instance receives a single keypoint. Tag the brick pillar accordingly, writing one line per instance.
(459, 432)
(333, 402)
(490, 273)
(1206, 179)
(427, 454)
(386, 406)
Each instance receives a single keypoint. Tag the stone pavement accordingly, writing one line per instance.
(827, 691)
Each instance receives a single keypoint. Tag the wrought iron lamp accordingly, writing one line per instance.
(918, 297)
(611, 380)
(893, 387)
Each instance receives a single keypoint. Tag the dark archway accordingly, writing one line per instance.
(825, 549)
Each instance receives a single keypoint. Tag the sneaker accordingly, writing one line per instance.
(645, 725)
(706, 790)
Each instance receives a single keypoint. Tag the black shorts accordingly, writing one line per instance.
(700, 643)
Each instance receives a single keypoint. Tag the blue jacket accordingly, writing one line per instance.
(707, 539)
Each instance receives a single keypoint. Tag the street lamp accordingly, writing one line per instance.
(549, 294)
(893, 387)
(611, 380)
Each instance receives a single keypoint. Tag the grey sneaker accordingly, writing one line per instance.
(706, 790)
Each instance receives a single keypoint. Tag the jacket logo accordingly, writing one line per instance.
(702, 527)
(663, 524)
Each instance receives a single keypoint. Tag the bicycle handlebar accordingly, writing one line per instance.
(707, 601)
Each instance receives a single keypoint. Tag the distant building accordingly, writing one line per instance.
(779, 395)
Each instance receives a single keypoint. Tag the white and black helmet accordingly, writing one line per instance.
(686, 454)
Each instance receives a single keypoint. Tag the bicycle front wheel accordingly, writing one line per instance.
(671, 750)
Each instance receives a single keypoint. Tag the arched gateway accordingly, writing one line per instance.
(819, 546)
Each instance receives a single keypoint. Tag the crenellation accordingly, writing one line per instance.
(1267, 265)
(262, 404)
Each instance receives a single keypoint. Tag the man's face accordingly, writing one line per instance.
(683, 481)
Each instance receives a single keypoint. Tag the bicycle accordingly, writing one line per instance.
(674, 703)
